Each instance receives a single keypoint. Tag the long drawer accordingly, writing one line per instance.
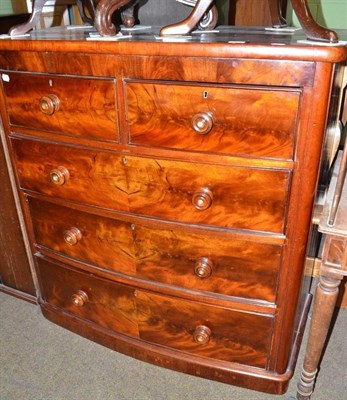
(213, 261)
(229, 120)
(73, 106)
(187, 326)
(224, 196)
(111, 306)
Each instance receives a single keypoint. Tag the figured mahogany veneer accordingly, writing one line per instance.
(238, 266)
(242, 198)
(109, 305)
(167, 190)
(70, 106)
(162, 320)
(239, 120)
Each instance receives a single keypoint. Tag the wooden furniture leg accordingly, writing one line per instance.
(89, 4)
(187, 25)
(277, 19)
(311, 28)
(333, 224)
(325, 300)
(128, 18)
(103, 16)
(22, 29)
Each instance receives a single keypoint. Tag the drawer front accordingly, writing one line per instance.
(214, 262)
(110, 305)
(67, 105)
(205, 330)
(238, 121)
(231, 197)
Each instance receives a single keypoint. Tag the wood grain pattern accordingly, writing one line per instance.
(237, 337)
(246, 121)
(243, 198)
(169, 67)
(241, 267)
(159, 319)
(109, 305)
(86, 106)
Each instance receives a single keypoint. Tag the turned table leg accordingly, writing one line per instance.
(311, 28)
(324, 304)
(333, 224)
(22, 29)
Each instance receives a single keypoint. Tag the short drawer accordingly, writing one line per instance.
(205, 330)
(228, 120)
(72, 106)
(107, 304)
(223, 196)
(215, 262)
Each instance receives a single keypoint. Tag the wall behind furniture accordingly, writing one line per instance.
(6, 7)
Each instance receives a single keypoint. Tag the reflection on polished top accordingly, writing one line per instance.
(247, 41)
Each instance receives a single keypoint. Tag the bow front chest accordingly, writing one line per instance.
(167, 190)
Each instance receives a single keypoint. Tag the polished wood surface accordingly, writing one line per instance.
(90, 112)
(109, 305)
(244, 121)
(173, 322)
(158, 188)
(239, 267)
(197, 236)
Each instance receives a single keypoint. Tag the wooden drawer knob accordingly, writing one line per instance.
(59, 175)
(202, 199)
(202, 123)
(79, 299)
(203, 268)
(49, 104)
(202, 334)
(72, 236)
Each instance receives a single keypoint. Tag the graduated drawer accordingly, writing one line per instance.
(229, 120)
(206, 261)
(74, 106)
(183, 325)
(205, 330)
(111, 306)
(224, 196)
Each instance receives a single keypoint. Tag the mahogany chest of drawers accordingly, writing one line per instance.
(167, 190)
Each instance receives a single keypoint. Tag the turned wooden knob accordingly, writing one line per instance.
(203, 268)
(202, 199)
(49, 104)
(59, 175)
(202, 334)
(72, 236)
(202, 123)
(79, 299)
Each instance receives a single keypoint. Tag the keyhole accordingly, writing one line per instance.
(205, 94)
